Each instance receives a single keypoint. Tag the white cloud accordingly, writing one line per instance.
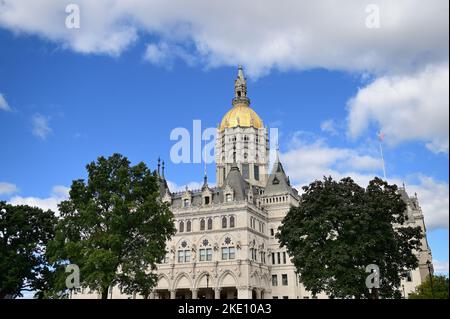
(434, 200)
(40, 126)
(173, 187)
(296, 34)
(329, 126)
(310, 159)
(164, 54)
(4, 106)
(58, 194)
(407, 107)
(440, 266)
(8, 188)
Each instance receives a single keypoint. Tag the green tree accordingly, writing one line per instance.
(340, 228)
(439, 291)
(113, 227)
(24, 233)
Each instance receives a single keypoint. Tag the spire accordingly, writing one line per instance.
(163, 170)
(240, 89)
(159, 165)
(205, 172)
(278, 153)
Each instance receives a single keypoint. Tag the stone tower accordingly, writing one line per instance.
(242, 139)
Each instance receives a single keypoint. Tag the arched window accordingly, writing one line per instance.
(202, 224)
(188, 226)
(231, 221)
(224, 222)
(181, 228)
(210, 223)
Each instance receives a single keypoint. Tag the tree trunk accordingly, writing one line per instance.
(105, 293)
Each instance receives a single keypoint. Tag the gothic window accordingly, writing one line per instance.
(284, 257)
(231, 221)
(202, 224)
(188, 226)
(227, 241)
(228, 253)
(210, 223)
(245, 170)
(253, 253)
(408, 275)
(256, 172)
(274, 280)
(186, 202)
(181, 228)
(224, 222)
(231, 253)
(184, 256)
(206, 254)
(284, 279)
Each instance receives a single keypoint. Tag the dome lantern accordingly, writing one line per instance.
(241, 115)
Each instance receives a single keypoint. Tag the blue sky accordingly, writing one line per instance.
(67, 99)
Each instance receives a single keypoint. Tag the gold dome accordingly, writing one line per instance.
(241, 115)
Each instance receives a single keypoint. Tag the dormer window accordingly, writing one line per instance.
(207, 200)
(228, 198)
(186, 203)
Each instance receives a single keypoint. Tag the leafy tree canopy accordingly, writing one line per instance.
(113, 227)
(24, 233)
(340, 228)
(439, 290)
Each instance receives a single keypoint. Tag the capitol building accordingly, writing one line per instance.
(225, 245)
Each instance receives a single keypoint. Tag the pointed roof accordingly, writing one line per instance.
(236, 182)
(278, 182)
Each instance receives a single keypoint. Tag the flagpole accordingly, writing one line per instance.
(382, 160)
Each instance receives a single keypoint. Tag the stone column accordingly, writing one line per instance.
(194, 293)
(217, 293)
(258, 293)
(244, 293)
(173, 294)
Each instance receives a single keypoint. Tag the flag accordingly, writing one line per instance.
(380, 136)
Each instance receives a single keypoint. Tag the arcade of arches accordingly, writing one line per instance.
(205, 287)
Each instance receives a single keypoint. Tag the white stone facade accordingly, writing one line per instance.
(225, 245)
